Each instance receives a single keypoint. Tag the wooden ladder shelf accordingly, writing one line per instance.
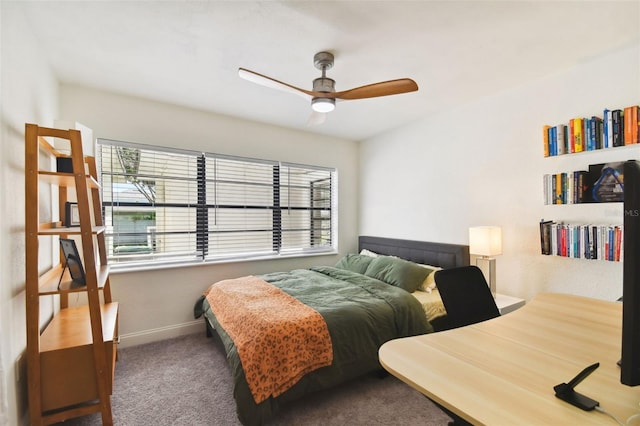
(71, 354)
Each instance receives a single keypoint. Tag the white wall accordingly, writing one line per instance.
(159, 303)
(28, 94)
(482, 164)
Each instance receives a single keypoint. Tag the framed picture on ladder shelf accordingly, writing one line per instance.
(72, 261)
(71, 215)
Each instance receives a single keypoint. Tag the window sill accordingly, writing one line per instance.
(117, 268)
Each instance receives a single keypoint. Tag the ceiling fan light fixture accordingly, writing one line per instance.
(323, 96)
(323, 104)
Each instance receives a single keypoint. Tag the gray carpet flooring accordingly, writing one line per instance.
(187, 381)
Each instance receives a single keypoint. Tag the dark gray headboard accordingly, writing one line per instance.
(437, 254)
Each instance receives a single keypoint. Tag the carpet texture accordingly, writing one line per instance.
(187, 381)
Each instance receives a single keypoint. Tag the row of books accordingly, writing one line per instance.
(602, 183)
(618, 127)
(604, 242)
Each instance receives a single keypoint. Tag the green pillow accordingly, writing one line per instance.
(397, 272)
(355, 263)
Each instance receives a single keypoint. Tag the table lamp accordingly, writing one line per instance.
(486, 242)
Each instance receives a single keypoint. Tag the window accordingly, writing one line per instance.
(166, 205)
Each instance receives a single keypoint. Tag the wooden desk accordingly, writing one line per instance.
(502, 371)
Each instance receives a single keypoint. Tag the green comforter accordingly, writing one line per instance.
(361, 313)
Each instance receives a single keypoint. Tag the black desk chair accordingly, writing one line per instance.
(466, 297)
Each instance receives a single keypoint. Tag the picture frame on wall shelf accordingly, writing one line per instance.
(71, 215)
(608, 182)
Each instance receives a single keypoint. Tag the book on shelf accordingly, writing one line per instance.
(599, 132)
(577, 194)
(571, 139)
(578, 135)
(606, 129)
(545, 140)
(545, 236)
(561, 139)
(631, 125)
(586, 131)
(594, 133)
(557, 199)
(617, 118)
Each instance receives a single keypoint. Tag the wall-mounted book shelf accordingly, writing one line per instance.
(616, 128)
(599, 183)
(582, 241)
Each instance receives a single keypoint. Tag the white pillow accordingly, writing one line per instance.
(369, 253)
(429, 283)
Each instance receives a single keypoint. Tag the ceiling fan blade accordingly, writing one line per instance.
(316, 118)
(385, 88)
(263, 80)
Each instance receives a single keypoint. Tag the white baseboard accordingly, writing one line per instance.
(161, 333)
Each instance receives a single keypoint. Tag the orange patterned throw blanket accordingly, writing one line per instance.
(279, 339)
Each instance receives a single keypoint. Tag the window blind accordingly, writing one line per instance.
(167, 205)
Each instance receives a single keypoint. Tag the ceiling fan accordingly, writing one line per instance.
(323, 96)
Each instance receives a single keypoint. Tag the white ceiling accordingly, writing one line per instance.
(188, 52)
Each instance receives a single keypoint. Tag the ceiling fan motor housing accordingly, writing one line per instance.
(324, 84)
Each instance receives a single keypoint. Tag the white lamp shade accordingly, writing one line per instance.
(485, 240)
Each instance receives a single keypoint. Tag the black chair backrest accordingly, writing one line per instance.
(466, 296)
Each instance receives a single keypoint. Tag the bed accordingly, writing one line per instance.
(365, 300)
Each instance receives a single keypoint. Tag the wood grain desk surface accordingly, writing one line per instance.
(502, 371)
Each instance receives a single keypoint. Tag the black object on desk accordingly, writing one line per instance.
(566, 392)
